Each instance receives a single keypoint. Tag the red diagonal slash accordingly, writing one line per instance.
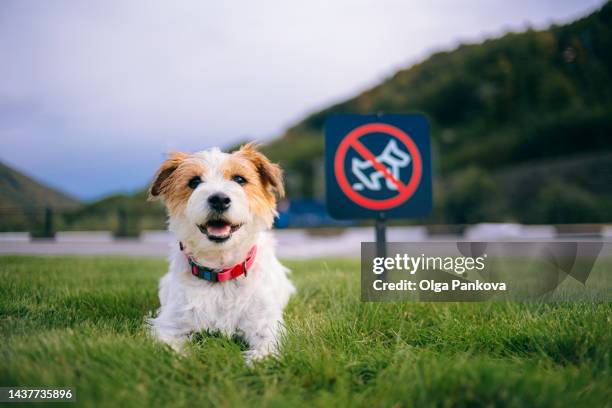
(367, 154)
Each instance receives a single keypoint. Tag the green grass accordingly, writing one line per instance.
(78, 322)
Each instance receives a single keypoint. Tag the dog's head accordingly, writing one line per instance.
(216, 200)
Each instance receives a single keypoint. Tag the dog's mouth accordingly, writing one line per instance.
(218, 230)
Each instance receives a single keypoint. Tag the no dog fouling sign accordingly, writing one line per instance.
(377, 164)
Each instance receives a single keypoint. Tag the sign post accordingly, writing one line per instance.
(378, 167)
(381, 236)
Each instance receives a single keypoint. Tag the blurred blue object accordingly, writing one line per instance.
(305, 213)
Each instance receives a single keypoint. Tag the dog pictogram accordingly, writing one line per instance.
(392, 157)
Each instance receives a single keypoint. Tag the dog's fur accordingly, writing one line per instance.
(251, 306)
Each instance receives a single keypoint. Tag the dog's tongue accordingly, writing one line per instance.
(218, 231)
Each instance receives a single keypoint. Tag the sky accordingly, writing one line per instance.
(94, 94)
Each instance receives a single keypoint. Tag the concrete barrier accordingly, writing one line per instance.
(156, 236)
(84, 236)
(538, 232)
(15, 236)
(491, 231)
(406, 234)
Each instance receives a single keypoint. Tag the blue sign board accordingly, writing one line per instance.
(377, 164)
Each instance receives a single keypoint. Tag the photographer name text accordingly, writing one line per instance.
(413, 264)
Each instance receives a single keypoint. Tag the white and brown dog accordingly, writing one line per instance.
(224, 275)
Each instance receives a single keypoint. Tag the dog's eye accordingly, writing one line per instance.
(239, 179)
(194, 182)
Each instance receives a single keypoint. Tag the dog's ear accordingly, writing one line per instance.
(271, 174)
(165, 170)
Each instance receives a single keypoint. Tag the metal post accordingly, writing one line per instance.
(381, 236)
(122, 228)
(48, 225)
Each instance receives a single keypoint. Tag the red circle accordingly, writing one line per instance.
(405, 193)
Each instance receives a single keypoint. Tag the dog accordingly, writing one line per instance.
(224, 275)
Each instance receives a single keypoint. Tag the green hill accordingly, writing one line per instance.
(24, 201)
(25, 205)
(515, 99)
(125, 215)
(537, 102)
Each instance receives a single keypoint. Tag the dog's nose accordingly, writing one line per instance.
(219, 201)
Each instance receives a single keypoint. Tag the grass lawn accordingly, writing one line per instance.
(78, 322)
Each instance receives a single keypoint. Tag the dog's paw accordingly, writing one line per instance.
(253, 355)
(177, 344)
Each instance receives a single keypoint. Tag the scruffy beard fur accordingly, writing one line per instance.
(250, 306)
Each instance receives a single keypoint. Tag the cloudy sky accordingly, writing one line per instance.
(92, 94)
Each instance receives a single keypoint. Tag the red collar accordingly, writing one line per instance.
(218, 274)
